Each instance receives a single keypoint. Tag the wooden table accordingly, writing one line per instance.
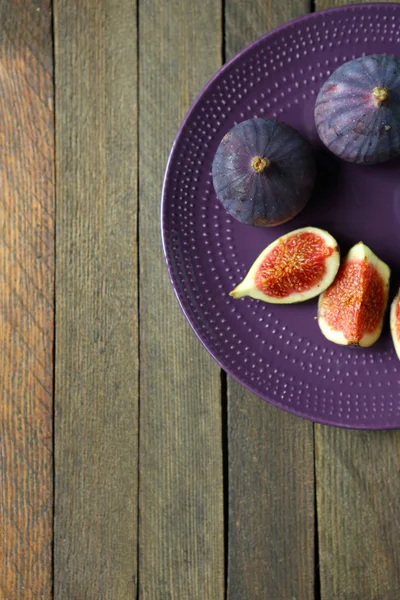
(130, 466)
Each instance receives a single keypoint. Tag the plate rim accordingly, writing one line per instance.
(307, 17)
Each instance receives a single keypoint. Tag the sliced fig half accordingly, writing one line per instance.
(296, 267)
(395, 323)
(351, 310)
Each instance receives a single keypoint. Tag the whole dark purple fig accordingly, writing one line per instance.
(263, 172)
(357, 111)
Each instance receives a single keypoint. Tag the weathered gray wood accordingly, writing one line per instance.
(271, 470)
(26, 299)
(96, 396)
(181, 488)
(271, 501)
(358, 488)
(246, 21)
(358, 513)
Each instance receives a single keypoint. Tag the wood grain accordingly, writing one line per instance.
(358, 486)
(358, 513)
(271, 469)
(96, 394)
(246, 21)
(181, 488)
(26, 298)
(271, 501)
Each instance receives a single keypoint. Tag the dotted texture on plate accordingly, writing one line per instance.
(278, 352)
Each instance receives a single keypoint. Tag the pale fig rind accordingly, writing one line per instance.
(395, 323)
(363, 337)
(331, 263)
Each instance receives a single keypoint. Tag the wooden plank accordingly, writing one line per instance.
(271, 470)
(246, 21)
(358, 514)
(271, 501)
(96, 395)
(358, 517)
(26, 298)
(181, 488)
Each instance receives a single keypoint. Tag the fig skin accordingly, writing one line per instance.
(263, 172)
(294, 268)
(357, 111)
(352, 309)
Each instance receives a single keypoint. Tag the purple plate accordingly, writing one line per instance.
(278, 352)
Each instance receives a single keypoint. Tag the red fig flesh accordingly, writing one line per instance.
(351, 310)
(296, 267)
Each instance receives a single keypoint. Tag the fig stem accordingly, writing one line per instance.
(381, 95)
(260, 164)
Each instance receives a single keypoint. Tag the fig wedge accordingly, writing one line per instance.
(351, 310)
(294, 268)
(395, 323)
